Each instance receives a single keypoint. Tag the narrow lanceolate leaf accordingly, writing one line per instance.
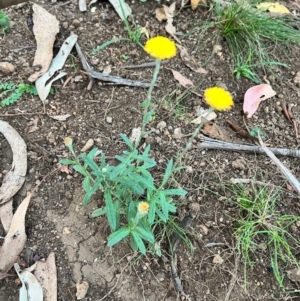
(151, 214)
(140, 244)
(67, 162)
(180, 192)
(110, 210)
(127, 141)
(86, 184)
(90, 163)
(99, 212)
(80, 169)
(117, 236)
(163, 203)
(168, 172)
(146, 235)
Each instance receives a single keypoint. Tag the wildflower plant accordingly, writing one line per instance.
(134, 203)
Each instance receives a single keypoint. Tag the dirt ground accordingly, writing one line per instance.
(58, 222)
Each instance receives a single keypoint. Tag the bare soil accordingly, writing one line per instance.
(57, 221)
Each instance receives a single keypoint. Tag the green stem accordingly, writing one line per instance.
(148, 101)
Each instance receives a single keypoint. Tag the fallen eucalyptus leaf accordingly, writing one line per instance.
(182, 79)
(15, 178)
(56, 64)
(60, 117)
(122, 8)
(15, 239)
(203, 116)
(45, 29)
(254, 96)
(31, 290)
(46, 274)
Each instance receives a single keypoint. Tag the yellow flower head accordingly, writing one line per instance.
(143, 207)
(218, 98)
(68, 141)
(160, 48)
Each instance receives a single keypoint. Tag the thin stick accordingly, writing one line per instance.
(285, 171)
(209, 143)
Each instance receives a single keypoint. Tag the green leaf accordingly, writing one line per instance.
(131, 211)
(67, 162)
(152, 209)
(81, 170)
(161, 215)
(92, 153)
(110, 210)
(139, 241)
(86, 184)
(90, 162)
(180, 192)
(117, 236)
(102, 46)
(127, 141)
(163, 203)
(98, 212)
(87, 198)
(167, 172)
(146, 235)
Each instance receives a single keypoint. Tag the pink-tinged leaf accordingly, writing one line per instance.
(182, 79)
(254, 96)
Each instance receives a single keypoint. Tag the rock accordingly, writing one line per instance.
(203, 229)
(194, 206)
(177, 133)
(88, 145)
(161, 125)
(294, 275)
(6, 67)
(109, 119)
(76, 23)
(218, 259)
(239, 163)
(297, 78)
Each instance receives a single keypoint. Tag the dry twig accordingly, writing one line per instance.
(209, 143)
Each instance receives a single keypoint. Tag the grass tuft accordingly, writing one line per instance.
(261, 227)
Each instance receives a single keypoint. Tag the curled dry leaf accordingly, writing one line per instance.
(215, 131)
(254, 96)
(273, 7)
(45, 29)
(15, 178)
(195, 3)
(15, 239)
(46, 274)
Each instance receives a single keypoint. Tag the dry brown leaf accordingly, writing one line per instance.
(15, 239)
(60, 117)
(160, 14)
(45, 29)
(189, 61)
(215, 131)
(35, 127)
(46, 274)
(187, 83)
(15, 178)
(170, 10)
